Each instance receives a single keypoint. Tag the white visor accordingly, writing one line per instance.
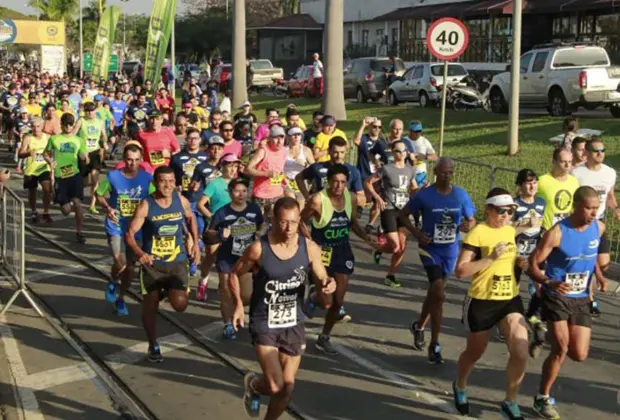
(503, 200)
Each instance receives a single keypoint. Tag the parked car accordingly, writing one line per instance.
(264, 73)
(562, 78)
(422, 83)
(365, 79)
(223, 76)
(131, 67)
(302, 84)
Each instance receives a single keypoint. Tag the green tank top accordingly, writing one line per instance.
(35, 166)
(90, 131)
(66, 149)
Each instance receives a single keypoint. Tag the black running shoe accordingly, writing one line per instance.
(418, 337)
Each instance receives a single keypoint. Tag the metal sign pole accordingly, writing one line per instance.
(443, 106)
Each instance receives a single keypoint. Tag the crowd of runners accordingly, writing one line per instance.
(271, 206)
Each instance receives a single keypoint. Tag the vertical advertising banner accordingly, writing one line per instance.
(160, 27)
(104, 41)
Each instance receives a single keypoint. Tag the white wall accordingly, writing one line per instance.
(361, 10)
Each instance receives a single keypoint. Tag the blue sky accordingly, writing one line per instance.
(131, 7)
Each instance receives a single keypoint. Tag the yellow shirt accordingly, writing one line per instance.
(301, 123)
(203, 118)
(558, 198)
(60, 113)
(322, 142)
(497, 281)
(34, 110)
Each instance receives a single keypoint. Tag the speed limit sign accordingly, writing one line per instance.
(447, 38)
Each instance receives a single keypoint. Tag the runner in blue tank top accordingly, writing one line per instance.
(570, 249)
(126, 187)
(333, 216)
(163, 254)
(282, 262)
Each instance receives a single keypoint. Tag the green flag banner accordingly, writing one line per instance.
(103, 44)
(160, 27)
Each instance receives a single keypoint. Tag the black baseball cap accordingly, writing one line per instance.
(525, 175)
(155, 114)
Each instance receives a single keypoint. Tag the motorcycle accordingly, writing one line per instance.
(468, 95)
(280, 88)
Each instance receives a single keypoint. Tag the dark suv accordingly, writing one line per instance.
(365, 77)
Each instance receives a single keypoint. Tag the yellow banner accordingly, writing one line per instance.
(32, 32)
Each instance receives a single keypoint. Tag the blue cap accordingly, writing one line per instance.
(416, 127)
(98, 98)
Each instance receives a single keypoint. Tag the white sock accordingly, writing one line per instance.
(541, 396)
(204, 280)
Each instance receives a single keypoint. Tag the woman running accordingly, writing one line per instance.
(298, 158)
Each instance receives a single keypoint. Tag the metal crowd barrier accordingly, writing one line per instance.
(13, 235)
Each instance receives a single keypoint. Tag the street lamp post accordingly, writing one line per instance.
(81, 45)
(124, 36)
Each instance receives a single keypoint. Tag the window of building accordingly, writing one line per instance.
(564, 26)
(365, 37)
(394, 35)
(608, 24)
(350, 38)
(501, 26)
(478, 27)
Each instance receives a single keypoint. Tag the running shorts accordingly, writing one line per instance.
(439, 262)
(338, 260)
(32, 181)
(200, 220)
(168, 276)
(482, 315)
(390, 222)
(68, 189)
(94, 164)
(290, 341)
(117, 244)
(576, 311)
(603, 246)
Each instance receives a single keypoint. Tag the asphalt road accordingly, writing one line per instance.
(377, 375)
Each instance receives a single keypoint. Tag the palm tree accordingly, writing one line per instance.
(239, 71)
(333, 99)
(63, 10)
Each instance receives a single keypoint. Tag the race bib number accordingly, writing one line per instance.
(292, 184)
(276, 180)
(157, 158)
(282, 315)
(240, 244)
(92, 144)
(558, 217)
(67, 171)
(525, 247)
(401, 199)
(127, 206)
(501, 287)
(39, 158)
(163, 246)
(326, 255)
(445, 233)
(578, 282)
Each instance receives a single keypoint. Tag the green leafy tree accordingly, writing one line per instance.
(64, 10)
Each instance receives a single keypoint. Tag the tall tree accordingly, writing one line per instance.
(258, 12)
(239, 56)
(63, 10)
(290, 7)
(333, 100)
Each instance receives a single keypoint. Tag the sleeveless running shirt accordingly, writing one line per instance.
(35, 166)
(267, 188)
(293, 166)
(332, 230)
(279, 287)
(162, 233)
(573, 261)
(90, 131)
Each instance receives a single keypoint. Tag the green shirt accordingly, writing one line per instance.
(66, 149)
(90, 132)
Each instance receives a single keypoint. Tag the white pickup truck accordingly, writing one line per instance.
(562, 78)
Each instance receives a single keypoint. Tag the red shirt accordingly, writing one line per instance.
(155, 143)
(145, 166)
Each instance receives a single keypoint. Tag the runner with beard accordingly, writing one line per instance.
(283, 262)
(333, 217)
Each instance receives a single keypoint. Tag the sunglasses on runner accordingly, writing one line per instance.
(400, 150)
(504, 210)
(597, 150)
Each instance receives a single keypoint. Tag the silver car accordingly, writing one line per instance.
(422, 83)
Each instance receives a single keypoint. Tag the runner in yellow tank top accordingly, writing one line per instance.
(489, 256)
(36, 170)
(557, 189)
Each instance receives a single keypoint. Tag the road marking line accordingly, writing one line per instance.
(387, 371)
(115, 361)
(27, 399)
(40, 274)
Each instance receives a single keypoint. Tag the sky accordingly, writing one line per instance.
(131, 7)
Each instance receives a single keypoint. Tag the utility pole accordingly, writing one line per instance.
(333, 98)
(81, 45)
(515, 76)
(239, 70)
(172, 53)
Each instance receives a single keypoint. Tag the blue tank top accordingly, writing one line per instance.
(162, 233)
(279, 287)
(573, 261)
(125, 195)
